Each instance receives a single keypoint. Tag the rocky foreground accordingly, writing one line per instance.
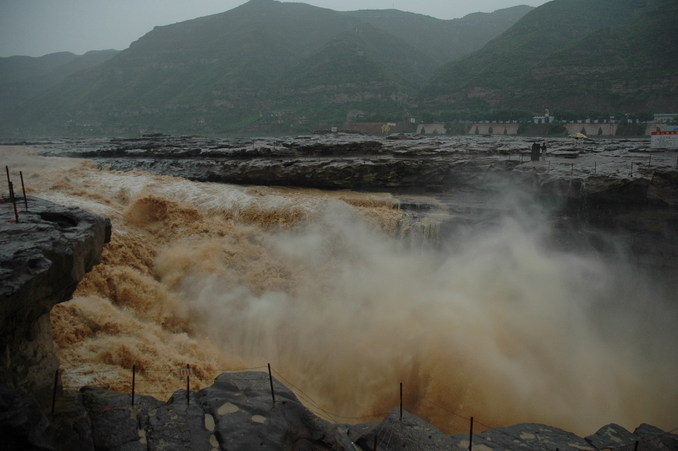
(238, 413)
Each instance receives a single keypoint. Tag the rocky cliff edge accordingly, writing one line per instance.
(43, 256)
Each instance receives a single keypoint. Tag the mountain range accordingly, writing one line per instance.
(267, 67)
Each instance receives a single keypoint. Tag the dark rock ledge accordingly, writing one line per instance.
(43, 256)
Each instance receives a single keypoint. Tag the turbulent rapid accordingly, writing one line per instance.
(498, 324)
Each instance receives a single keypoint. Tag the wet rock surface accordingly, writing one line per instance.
(404, 163)
(238, 413)
(44, 255)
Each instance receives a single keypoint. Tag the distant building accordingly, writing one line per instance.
(592, 129)
(500, 128)
(666, 118)
(431, 129)
(545, 119)
(656, 126)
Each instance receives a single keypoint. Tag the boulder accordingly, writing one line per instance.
(528, 436)
(611, 436)
(651, 438)
(410, 432)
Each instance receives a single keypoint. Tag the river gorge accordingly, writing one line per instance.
(488, 285)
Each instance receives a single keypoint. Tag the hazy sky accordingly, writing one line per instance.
(38, 27)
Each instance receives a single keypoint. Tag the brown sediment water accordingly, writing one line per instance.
(317, 283)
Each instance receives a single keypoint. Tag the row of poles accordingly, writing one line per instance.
(595, 166)
(187, 373)
(12, 195)
(649, 160)
(184, 372)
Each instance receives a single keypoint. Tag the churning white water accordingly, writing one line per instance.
(499, 325)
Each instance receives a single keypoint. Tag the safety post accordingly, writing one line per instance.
(401, 401)
(632, 169)
(595, 166)
(571, 169)
(270, 380)
(470, 436)
(11, 194)
(188, 384)
(8, 179)
(54, 390)
(134, 374)
(23, 189)
(649, 163)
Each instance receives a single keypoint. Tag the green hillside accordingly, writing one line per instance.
(575, 55)
(268, 67)
(23, 77)
(256, 67)
(443, 40)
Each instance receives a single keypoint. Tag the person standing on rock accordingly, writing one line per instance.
(543, 148)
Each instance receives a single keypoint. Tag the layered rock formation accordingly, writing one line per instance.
(44, 255)
(613, 187)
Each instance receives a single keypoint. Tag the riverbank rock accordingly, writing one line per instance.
(22, 424)
(238, 413)
(43, 256)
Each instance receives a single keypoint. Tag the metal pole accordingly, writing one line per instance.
(56, 382)
(470, 436)
(188, 384)
(9, 180)
(23, 188)
(11, 194)
(401, 401)
(134, 374)
(270, 380)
